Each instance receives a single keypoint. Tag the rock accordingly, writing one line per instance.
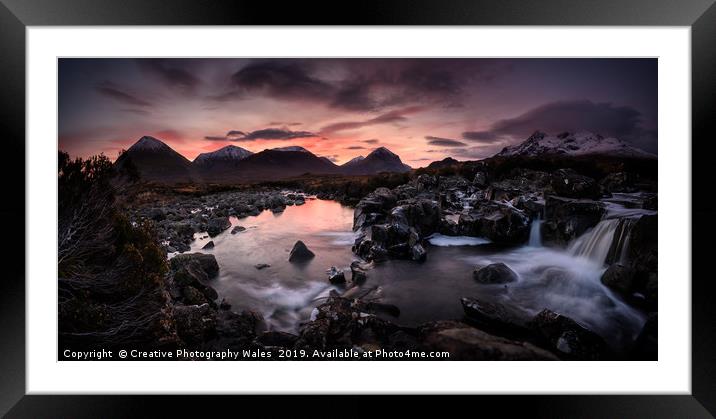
(195, 323)
(424, 215)
(618, 182)
(480, 179)
(373, 208)
(217, 225)
(568, 337)
(418, 253)
(156, 214)
(193, 296)
(642, 254)
(495, 317)
(464, 342)
(274, 338)
(205, 262)
(260, 266)
(389, 309)
(237, 229)
(570, 184)
(646, 344)
(300, 253)
(336, 276)
(209, 245)
(499, 223)
(495, 273)
(620, 278)
(240, 329)
(358, 273)
(567, 219)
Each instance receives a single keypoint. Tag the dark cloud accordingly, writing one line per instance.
(262, 134)
(622, 122)
(482, 136)
(371, 141)
(141, 112)
(355, 147)
(112, 91)
(169, 74)
(397, 115)
(287, 79)
(444, 142)
(286, 124)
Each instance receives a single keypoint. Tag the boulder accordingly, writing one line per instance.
(418, 253)
(260, 266)
(464, 342)
(209, 245)
(567, 219)
(201, 265)
(217, 225)
(237, 229)
(193, 296)
(336, 276)
(619, 278)
(300, 253)
(195, 323)
(358, 273)
(567, 337)
(570, 184)
(494, 316)
(497, 222)
(495, 273)
(373, 208)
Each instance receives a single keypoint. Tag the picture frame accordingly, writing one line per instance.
(700, 16)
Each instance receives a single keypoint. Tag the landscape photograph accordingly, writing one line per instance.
(395, 209)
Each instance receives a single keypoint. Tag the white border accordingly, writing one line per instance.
(671, 374)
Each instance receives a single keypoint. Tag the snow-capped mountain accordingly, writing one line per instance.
(379, 160)
(228, 153)
(291, 148)
(573, 144)
(148, 143)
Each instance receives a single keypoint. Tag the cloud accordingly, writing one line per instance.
(173, 76)
(482, 136)
(355, 147)
(262, 134)
(622, 122)
(444, 142)
(285, 124)
(397, 115)
(371, 141)
(110, 90)
(287, 79)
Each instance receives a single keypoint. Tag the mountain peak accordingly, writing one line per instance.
(149, 143)
(291, 148)
(573, 144)
(382, 151)
(353, 161)
(229, 152)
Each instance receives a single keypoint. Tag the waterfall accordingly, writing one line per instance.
(535, 233)
(595, 243)
(606, 243)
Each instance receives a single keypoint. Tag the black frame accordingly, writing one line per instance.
(700, 15)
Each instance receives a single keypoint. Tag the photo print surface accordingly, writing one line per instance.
(357, 208)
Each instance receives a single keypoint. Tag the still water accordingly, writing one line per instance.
(286, 293)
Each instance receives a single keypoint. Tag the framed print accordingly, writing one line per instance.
(403, 199)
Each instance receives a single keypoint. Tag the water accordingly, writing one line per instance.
(286, 293)
(535, 239)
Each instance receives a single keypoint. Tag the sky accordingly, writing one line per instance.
(423, 109)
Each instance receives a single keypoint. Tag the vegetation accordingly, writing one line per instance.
(111, 273)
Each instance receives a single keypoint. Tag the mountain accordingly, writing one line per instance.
(291, 148)
(276, 164)
(446, 162)
(573, 144)
(156, 161)
(352, 162)
(230, 153)
(379, 160)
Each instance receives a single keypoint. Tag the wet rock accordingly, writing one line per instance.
(260, 266)
(495, 273)
(224, 305)
(238, 329)
(567, 337)
(193, 296)
(237, 229)
(217, 225)
(480, 179)
(300, 253)
(418, 253)
(620, 278)
(199, 265)
(464, 342)
(424, 215)
(194, 323)
(209, 245)
(358, 273)
(570, 184)
(495, 317)
(336, 276)
(499, 223)
(618, 182)
(567, 219)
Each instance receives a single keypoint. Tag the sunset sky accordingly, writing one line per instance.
(422, 109)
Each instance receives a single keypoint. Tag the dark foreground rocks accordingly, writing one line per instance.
(569, 338)
(189, 276)
(495, 273)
